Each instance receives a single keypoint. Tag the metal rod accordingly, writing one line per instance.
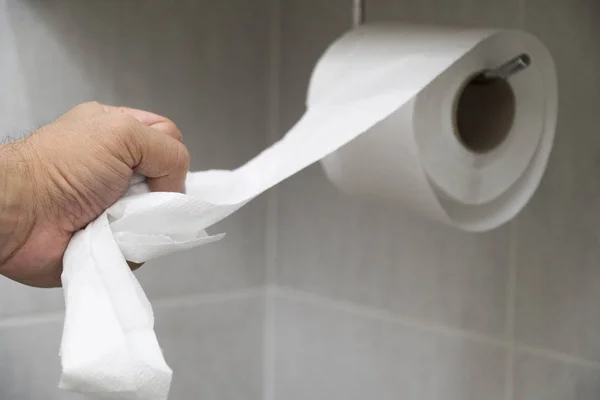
(358, 12)
(506, 70)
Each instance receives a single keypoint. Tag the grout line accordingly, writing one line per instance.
(269, 349)
(30, 319)
(557, 355)
(196, 299)
(273, 83)
(166, 302)
(512, 281)
(287, 293)
(271, 240)
(271, 253)
(510, 310)
(375, 313)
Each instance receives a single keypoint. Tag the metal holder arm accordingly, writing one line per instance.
(506, 70)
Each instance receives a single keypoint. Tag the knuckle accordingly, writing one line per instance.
(123, 132)
(183, 157)
(122, 123)
(121, 110)
(169, 128)
(91, 103)
(176, 133)
(88, 105)
(85, 109)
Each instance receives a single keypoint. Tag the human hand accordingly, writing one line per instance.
(67, 173)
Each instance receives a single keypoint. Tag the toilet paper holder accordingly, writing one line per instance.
(504, 71)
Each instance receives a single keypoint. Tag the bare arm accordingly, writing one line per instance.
(67, 173)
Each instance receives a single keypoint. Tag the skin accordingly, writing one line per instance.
(64, 175)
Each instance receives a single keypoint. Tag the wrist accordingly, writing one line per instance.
(17, 208)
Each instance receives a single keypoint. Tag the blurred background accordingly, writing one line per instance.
(314, 295)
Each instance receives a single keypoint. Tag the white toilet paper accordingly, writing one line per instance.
(398, 84)
(416, 156)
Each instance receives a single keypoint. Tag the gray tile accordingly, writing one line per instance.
(215, 350)
(488, 13)
(570, 30)
(15, 118)
(558, 279)
(557, 289)
(324, 353)
(381, 256)
(19, 299)
(203, 65)
(541, 378)
(30, 367)
(557, 284)
(307, 28)
(558, 240)
(51, 55)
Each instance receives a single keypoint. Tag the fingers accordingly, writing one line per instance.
(147, 118)
(161, 158)
(153, 144)
(156, 145)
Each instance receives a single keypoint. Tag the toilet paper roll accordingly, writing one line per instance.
(458, 151)
(465, 154)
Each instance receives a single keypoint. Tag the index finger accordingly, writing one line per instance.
(150, 119)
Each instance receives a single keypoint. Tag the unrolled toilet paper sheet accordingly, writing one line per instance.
(109, 347)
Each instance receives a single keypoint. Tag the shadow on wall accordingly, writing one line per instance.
(175, 60)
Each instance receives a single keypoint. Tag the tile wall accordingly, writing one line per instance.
(362, 300)
(370, 302)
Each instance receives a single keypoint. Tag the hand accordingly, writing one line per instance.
(67, 173)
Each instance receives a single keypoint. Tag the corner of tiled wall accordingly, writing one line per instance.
(271, 223)
(200, 63)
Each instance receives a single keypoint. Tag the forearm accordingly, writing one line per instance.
(16, 187)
